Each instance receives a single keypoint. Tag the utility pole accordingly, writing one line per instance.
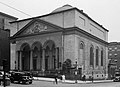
(4, 69)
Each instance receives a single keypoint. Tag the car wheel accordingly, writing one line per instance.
(30, 82)
(12, 81)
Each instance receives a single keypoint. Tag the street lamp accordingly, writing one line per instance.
(92, 76)
(75, 71)
(15, 65)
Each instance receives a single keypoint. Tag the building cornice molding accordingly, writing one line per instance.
(74, 29)
(9, 16)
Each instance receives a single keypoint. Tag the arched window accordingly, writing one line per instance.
(91, 56)
(81, 54)
(81, 46)
(97, 56)
(101, 57)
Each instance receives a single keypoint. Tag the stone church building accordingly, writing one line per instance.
(43, 43)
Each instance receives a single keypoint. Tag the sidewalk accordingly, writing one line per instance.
(71, 81)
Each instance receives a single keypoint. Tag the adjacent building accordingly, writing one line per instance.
(114, 58)
(43, 43)
(5, 38)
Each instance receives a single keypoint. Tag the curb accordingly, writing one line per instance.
(71, 82)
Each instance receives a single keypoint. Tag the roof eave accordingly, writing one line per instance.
(74, 8)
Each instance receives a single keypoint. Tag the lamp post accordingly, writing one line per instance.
(92, 68)
(4, 69)
(92, 76)
(15, 66)
(76, 71)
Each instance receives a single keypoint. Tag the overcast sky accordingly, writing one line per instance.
(105, 12)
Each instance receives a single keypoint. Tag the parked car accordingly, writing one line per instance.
(20, 77)
(117, 77)
(26, 79)
(7, 78)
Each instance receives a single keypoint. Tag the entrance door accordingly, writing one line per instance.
(80, 72)
(26, 61)
(34, 64)
(46, 63)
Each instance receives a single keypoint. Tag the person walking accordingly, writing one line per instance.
(56, 78)
(84, 78)
(56, 82)
(63, 78)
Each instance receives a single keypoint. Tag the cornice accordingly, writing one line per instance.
(85, 33)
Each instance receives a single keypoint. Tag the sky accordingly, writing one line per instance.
(105, 12)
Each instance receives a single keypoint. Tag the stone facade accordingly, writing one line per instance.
(72, 51)
(5, 32)
(114, 58)
(66, 33)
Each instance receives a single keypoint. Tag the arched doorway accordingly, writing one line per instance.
(50, 58)
(25, 57)
(37, 56)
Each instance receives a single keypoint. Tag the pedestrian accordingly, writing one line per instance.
(92, 78)
(63, 78)
(56, 82)
(84, 78)
(60, 78)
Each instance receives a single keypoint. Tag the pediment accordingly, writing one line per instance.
(37, 26)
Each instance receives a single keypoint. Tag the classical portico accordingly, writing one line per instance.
(38, 57)
(39, 52)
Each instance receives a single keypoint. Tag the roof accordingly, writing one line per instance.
(1, 13)
(32, 21)
(114, 43)
(60, 10)
(65, 7)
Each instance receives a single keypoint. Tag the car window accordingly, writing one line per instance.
(0, 73)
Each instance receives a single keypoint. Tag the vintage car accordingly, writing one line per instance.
(117, 77)
(20, 77)
(7, 75)
(26, 79)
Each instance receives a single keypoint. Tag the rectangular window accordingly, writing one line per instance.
(2, 23)
(58, 58)
(102, 58)
(82, 21)
(97, 59)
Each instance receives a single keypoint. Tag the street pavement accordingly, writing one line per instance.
(50, 82)
(71, 81)
(38, 83)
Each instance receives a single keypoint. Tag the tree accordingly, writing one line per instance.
(66, 66)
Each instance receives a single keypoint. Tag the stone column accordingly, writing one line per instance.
(20, 61)
(43, 60)
(17, 65)
(31, 59)
(16, 60)
(56, 59)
